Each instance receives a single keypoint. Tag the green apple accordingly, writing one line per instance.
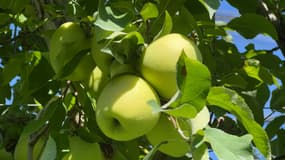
(123, 111)
(165, 131)
(200, 121)
(21, 150)
(83, 150)
(5, 155)
(158, 62)
(96, 82)
(117, 68)
(102, 60)
(66, 42)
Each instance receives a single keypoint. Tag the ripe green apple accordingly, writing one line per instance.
(117, 68)
(123, 112)
(5, 155)
(21, 150)
(200, 121)
(102, 60)
(83, 150)
(96, 81)
(66, 42)
(176, 146)
(158, 62)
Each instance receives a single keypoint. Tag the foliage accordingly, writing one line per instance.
(234, 85)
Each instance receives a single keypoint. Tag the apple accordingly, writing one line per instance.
(5, 155)
(158, 62)
(66, 42)
(21, 150)
(117, 68)
(200, 121)
(96, 81)
(165, 131)
(102, 60)
(83, 150)
(123, 111)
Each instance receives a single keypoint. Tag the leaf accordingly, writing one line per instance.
(71, 65)
(110, 16)
(211, 5)
(149, 11)
(250, 25)
(232, 102)
(228, 146)
(244, 6)
(278, 99)
(194, 81)
(185, 110)
(150, 154)
(167, 26)
(199, 148)
(49, 152)
(274, 126)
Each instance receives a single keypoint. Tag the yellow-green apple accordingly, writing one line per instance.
(117, 68)
(158, 62)
(102, 60)
(165, 131)
(96, 81)
(123, 111)
(22, 147)
(66, 42)
(83, 150)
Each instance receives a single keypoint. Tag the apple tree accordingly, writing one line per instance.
(140, 80)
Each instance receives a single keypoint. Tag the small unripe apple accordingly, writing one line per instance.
(165, 131)
(123, 111)
(83, 150)
(158, 63)
(66, 42)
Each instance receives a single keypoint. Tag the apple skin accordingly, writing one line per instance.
(158, 62)
(82, 150)
(122, 111)
(96, 82)
(200, 121)
(176, 146)
(102, 60)
(21, 150)
(67, 41)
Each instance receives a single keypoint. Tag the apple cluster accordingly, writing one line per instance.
(124, 94)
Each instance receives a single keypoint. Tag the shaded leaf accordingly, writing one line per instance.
(250, 25)
(167, 26)
(49, 151)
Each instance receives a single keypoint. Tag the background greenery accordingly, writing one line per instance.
(240, 80)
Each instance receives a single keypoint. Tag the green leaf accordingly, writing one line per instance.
(149, 11)
(4, 18)
(250, 25)
(235, 104)
(245, 6)
(199, 148)
(110, 16)
(49, 151)
(167, 26)
(274, 126)
(194, 81)
(185, 110)
(278, 99)
(228, 146)
(211, 5)
(150, 154)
